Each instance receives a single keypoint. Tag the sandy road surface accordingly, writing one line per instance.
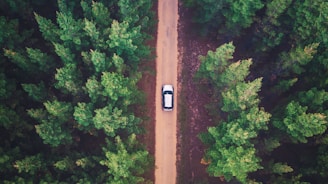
(166, 66)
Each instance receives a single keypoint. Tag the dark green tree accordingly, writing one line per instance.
(37, 92)
(30, 164)
(299, 124)
(225, 15)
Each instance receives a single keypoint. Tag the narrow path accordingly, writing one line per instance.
(166, 73)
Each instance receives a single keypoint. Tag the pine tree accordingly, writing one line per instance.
(296, 59)
(123, 39)
(99, 61)
(299, 124)
(214, 63)
(95, 90)
(83, 114)
(271, 29)
(69, 79)
(112, 119)
(281, 168)
(70, 29)
(125, 163)
(232, 162)
(30, 164)
(119, 88)
(234, 73)
(53, 133)
(42, 60)
(37, 92)
(65, 54)
(242, 96)
(49, 30)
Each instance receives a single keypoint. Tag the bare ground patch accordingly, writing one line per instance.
(193, 117)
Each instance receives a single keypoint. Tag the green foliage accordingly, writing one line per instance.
(271, 143)
(10, 36)
(214, 63)
(292, 37)
(281, 168)
(309, 21)
(7, 86)
(124, 40)
(284, 85)
(111, 119)
(136, 12)
(232, 161)
(294, 60)
(88, 64)
(125, 161)
(53, 133)
(239, 131)
(294, 179)
(7, 158)
(70, 29)
(61, 110)
(228, 15)
(241, 96)
(240, 14)
(69, 79)
(51, 128)
(85, 162)
(299, 124)
(83, 114)
(20, 60)
(65, 164)
(91, 30)
(64, 53)
(33, 61)
(37, 92)
(116, 87)
(231, 152)
(94, 89)
(99, 61)
(314, 98)
(30, 164)
(48, 29)
(101, 14)
(234, 73)
(38, 114)
(11, 121)
(271, 32)
(274, 10)
(42, 60)
(118, 63)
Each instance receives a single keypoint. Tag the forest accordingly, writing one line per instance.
(268, 84)
(68, 90)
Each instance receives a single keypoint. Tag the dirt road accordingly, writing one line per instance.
(166, 73)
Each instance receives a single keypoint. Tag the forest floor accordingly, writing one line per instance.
(147, 84)
(193, 117)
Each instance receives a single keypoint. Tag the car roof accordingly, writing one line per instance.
(168, 100)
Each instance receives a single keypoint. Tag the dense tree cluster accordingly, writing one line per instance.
(287, 40)
(231, 151)
(68, 81)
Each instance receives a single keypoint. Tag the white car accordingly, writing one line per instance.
(167, 97)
